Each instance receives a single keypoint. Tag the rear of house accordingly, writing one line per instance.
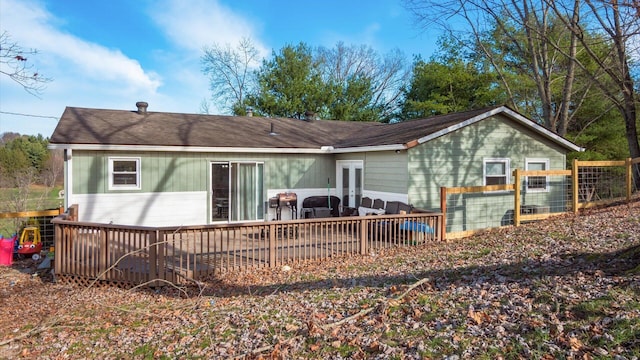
(151, 168)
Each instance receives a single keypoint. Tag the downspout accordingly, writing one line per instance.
(68, 180)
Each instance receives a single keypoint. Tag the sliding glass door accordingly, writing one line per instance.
(237, 191)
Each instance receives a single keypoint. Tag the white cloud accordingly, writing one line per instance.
(30, 25)
(202, 23)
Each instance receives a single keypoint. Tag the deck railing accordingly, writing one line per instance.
(87, 253)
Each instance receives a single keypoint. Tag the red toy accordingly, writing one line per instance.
(30, 242)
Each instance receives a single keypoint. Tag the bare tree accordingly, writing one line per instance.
(527, 31)
(53, 169)
(387, 74)
(14, 63)
(229, 71)
(619, 24)
(612, 25)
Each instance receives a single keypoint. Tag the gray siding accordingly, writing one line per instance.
(456, 159)
(384, 171)
(175, 172)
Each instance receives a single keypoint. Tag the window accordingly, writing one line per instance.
(124, 173)
(537, 183)
(496, 171)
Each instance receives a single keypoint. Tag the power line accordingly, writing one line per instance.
(31, 115)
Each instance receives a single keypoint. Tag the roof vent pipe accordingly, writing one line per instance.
(249, 111)
(309, 115)
(272, 132)
(142, 107)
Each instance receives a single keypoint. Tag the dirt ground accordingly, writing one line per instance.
(567, 287)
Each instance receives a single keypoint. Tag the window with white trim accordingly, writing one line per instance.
(496, 171)
(124, 173)
(537, 183)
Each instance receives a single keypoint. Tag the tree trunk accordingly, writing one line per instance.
(563, 116)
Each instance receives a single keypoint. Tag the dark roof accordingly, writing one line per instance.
(407, 131)
(83, 126)
(121, 127)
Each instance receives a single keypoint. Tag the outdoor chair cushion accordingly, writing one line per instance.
(322, 202)
(378, 204)
(396, 207)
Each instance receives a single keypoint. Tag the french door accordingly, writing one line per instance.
(349, 174)
(237, 191)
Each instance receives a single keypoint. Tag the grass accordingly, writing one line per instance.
(40, 198)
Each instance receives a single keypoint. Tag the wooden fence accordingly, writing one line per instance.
(87, 253)
(587, 184)
(43, 220)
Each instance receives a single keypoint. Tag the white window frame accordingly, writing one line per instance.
(507, 169)
(136, 186)
(526, 180)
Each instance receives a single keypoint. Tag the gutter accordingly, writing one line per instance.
(203, 149)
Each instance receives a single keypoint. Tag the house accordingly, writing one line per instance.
(152, 168)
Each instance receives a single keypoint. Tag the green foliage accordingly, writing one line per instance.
(21, 154)
(444, 86)
(598, 127)
(290, 84)
(341, 83)
(351, 101)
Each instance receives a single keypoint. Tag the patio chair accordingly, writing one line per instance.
(378, 204)
(318, 207)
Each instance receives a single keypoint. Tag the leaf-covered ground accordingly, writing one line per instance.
(567, 287)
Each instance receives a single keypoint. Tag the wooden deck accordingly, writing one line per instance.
(127, 255)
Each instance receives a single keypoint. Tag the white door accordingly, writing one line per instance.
(349, 174)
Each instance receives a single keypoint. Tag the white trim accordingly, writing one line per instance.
(162, 148)
(507, 169)
(391, 147)
(352, 165)
(526, 178)
(458, 126)
(386, 196)
(137, 185)
(513, 115)
(68, 178)
(549, 134)
(321, 150)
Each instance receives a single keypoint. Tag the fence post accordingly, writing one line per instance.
(272, 245)
(73, 212)
(57, 246)
(516, 197)
(574, 185)
(629, 173)
(363, 235)
(104, 255)
(153, 256)
(443, 210)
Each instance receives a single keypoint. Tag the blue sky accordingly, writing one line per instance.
(109, 54)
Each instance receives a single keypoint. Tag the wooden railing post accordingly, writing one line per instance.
(104, 255)
(363, 235)
(574, 185)
(629, 178)
(443, 210)
(516, 197)
(153, 256)
(272, 245)
(57, 265)
(73, 212)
